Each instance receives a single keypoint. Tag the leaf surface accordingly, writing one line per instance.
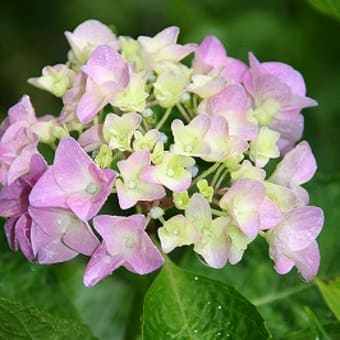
(182, 305)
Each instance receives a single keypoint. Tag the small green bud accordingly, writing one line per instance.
(158, 153)
(181, 200)
(104, 157)
(205, 190)
(60, 132)
(233, 163)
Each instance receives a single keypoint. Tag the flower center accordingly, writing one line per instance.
(188, 147)
(91, 188)
(132, 184)
(130, 243)
(170, 172)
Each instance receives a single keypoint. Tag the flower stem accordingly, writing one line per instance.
(183, 112)
(164, 118)
(219, 213)
(217, 175)
(221, 178)
(206, 173)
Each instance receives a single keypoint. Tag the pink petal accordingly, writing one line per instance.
(38, 166)
(297, 167)
(81, 239)
(70, 167)
(290, 126)
(210, 54)
(287, 75)
(176, 52)
(21, 164)
(168, 35)
(47, 193)
(201, 123)
(100, 265)
(49, 249)
(134, 163)
(10, 202)
(23, 235)
(146, 259)
(235, 69)
(243, 200)
(233, 104)
(94, 32)
(10, 232)
(92, 138)
(22, 111)
(283, 264)
(105, 65)
(270, 214)
(91, 102)
(305, 224)
(307, 261)
(149, 175)
(52, 221)
(82, 206)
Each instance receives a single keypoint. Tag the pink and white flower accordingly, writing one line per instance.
(86, 37)
(107, 74)
(279, 95)
(249, 207)
(171, 172)
(14, 205)
(132, 188)
(234, 105)
(163, 47)
(57, 235)
(73, 182)
(125, 243)
(292, 242)
(297, 167)
(211, 54)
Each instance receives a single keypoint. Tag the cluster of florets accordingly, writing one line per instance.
(184, 149)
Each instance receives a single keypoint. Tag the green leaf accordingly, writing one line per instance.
(332, 329)
(330, 7)
(105, 307)
(331, 294)
(59, 290)
(314, 324)
(32, 284)
(26, 322)
(182, 305)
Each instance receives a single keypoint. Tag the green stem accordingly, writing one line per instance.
(164, 118)
(183, 112)
(194, 102)
(221, 178)
(145, 124)
(217, 175)
(219, 213)
(270, 298)
(206, 173)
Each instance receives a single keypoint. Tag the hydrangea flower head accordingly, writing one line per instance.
(150, 147)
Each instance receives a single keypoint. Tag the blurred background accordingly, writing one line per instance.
(294, 32)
